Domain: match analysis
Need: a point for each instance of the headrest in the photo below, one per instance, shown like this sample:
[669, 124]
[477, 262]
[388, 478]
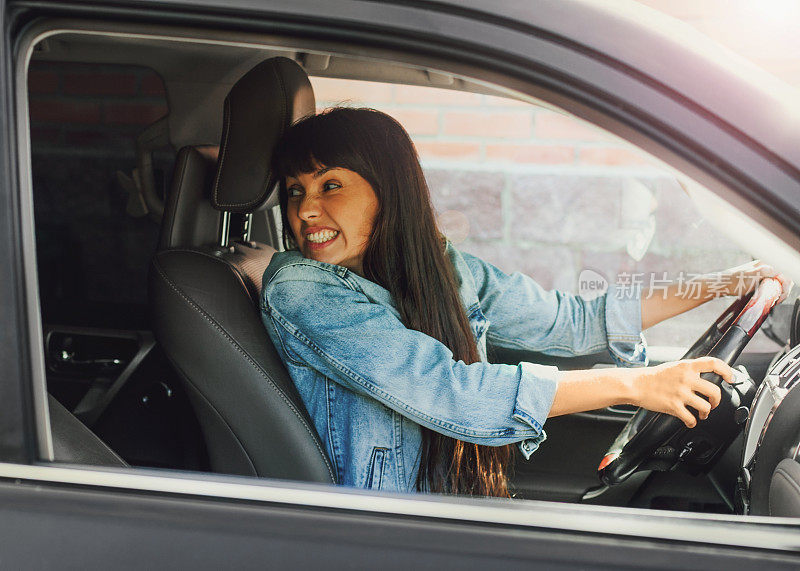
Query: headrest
[258, 108]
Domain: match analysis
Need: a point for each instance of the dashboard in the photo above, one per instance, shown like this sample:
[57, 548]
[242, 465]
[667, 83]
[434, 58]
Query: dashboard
[769, 479]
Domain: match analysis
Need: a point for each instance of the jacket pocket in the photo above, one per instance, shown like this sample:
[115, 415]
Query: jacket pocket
[377, 467]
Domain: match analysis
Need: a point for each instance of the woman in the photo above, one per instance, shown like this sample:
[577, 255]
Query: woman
[383, 325]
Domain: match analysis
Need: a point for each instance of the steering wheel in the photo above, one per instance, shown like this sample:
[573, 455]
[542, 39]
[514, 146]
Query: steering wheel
[647, 431]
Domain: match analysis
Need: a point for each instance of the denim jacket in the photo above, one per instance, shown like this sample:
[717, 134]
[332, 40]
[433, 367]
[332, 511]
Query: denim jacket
[369, 383]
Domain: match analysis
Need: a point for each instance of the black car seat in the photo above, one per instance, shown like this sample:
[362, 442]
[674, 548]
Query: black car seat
[204, 290]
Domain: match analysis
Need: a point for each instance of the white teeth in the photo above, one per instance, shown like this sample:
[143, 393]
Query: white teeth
[321, 236]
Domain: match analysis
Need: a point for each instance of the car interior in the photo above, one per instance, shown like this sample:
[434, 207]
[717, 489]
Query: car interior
[153, 231]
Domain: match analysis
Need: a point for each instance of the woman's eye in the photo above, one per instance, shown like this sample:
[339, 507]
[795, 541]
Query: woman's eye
[330, 185]
[294, 191]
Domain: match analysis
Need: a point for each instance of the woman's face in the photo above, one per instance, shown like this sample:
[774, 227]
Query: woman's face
[331, 212]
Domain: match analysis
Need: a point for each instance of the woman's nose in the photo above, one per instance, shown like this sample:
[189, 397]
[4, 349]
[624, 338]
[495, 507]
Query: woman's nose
[309, 208]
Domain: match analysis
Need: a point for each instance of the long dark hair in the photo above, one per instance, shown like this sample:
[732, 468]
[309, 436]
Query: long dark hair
[406, 255]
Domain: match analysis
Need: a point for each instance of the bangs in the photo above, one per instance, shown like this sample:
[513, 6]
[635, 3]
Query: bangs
[317, 141]
[295, 156]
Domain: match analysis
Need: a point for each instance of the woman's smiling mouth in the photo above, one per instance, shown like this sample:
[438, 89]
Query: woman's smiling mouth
[321, 238]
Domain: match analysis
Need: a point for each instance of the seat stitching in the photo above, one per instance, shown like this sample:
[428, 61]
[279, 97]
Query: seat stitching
[266, 189]
[227, 132]
[247, 357]
[250, 360]
[219, 171]
[237, 271]
[286, 118]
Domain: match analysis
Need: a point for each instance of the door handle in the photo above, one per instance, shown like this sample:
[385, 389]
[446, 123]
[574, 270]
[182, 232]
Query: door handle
[67, 358]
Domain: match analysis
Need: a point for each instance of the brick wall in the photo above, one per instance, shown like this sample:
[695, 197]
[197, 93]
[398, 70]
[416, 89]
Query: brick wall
[466, 127]
[534, 191]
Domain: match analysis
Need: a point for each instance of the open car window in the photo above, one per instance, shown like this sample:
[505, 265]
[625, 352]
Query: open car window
[526, 187]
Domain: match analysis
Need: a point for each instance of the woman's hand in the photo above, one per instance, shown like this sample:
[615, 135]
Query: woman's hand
[744, 278]
[737, 281]
[675, 386]
[670, 387]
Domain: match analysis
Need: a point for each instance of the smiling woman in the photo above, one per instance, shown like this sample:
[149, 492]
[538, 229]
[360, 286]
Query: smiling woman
[393, 244]
[391, 345]
[331, 212]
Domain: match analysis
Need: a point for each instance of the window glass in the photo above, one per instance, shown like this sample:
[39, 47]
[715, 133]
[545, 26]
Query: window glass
[94, 231]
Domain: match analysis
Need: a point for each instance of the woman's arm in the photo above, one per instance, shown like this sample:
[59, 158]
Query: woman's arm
[321, 319]
[523, 316]
[671, 301]
[677, 298]
[669, 387]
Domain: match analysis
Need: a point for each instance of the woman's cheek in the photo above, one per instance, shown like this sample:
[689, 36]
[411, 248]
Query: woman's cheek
[294, 226]
[363, 238]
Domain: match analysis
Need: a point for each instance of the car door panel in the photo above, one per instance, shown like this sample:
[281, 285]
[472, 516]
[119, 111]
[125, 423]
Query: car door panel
[143, 530]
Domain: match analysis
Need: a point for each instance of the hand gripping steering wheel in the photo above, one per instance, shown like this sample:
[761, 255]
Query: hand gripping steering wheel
[648, 431]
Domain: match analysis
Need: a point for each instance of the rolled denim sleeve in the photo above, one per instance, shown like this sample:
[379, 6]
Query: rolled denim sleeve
[623, 325]
[524, 316]
[321, 320]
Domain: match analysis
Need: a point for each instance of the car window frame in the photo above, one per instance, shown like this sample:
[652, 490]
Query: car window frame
[20, 406]
[736, 530]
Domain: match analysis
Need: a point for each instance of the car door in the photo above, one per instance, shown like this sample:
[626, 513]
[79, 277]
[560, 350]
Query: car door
[78, 516]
